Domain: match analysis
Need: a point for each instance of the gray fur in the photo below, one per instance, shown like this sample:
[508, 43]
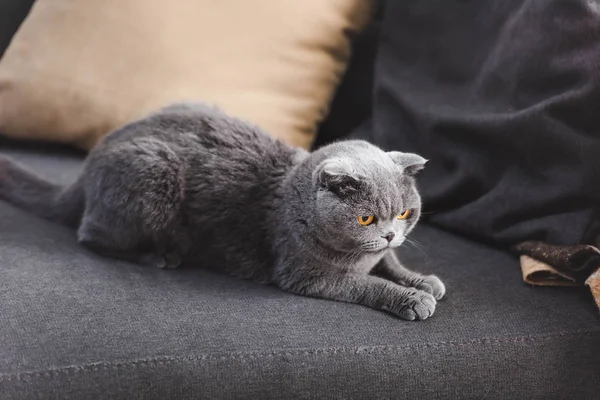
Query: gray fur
[192, 185]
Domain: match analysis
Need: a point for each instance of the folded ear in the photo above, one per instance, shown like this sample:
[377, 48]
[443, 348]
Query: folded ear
[409, 162]
[337, 175]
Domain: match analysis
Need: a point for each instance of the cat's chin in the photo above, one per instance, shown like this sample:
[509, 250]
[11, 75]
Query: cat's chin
[395, 244]
[390, 246]
[379, 249]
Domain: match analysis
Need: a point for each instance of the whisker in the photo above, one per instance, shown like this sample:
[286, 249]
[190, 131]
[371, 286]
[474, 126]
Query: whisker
[430, 212]
[350, 254]
[357, 254]
[360, 249]
[418, 246]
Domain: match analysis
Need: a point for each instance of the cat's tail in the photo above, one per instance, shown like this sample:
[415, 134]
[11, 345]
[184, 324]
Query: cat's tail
[28, 191]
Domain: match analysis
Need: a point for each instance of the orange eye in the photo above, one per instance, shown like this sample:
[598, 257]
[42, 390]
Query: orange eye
[365, 220]
[404, 215]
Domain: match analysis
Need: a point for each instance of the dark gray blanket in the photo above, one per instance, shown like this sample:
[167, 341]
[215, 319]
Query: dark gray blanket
[503, 96]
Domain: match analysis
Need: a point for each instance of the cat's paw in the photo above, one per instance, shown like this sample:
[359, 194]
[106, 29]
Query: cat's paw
[416, 305]
[166, 261]
[432, 285]
[173, 260]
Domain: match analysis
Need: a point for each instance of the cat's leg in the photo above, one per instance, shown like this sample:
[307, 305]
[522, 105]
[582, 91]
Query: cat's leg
[125, 244]
[367, 290]
[391, 268]
[133, 199]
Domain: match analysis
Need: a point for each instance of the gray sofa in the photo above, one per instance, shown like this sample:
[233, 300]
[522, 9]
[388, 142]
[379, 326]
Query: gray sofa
[74, 325]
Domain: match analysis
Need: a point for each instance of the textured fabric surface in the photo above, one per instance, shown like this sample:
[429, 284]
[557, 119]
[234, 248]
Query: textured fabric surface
[74, 325]
[89, 67]
[501, 96]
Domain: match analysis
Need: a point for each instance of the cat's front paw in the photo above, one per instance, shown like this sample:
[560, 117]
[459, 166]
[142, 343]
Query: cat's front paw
[416, 305]
[432, 285]
[166, 261]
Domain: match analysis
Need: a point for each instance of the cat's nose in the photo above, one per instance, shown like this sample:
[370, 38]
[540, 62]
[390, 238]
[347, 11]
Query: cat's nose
[389, 237]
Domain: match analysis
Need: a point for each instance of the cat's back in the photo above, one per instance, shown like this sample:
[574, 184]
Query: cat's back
[218, 155]
[190, 126]
[231, 164]
[204, 140]
[232, 190]
[218, 143]
[208, 127]
[230, 173]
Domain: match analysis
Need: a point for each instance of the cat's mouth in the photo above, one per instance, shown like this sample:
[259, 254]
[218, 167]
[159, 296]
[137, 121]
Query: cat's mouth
[380, 249]
[375, 246]
[390, 245]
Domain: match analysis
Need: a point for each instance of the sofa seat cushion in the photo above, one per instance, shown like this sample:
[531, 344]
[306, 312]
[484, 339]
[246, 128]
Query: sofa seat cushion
[75, 325]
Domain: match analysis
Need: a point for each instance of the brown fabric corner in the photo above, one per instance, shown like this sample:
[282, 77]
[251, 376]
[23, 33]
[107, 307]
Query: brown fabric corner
[541, 274]
[594, 283]
[576, 261]
[549, 265]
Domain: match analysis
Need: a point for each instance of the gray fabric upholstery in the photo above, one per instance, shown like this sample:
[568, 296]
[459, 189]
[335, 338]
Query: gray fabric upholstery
[74, 325]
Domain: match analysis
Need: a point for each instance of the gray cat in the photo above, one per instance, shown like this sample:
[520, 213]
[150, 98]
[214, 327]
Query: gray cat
[191, 185]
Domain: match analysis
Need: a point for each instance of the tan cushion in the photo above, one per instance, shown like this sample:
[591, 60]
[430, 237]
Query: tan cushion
[77, 69]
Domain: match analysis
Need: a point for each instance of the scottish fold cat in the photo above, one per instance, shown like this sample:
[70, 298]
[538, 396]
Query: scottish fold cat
[192, 185]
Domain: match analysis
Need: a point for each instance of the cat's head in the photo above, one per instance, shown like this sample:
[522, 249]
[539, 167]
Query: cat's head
[365, 198]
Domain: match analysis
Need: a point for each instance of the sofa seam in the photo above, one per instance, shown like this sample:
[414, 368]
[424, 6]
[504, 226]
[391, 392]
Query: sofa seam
[251, 355]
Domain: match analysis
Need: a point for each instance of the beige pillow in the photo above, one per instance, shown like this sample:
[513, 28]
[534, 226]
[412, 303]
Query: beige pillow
[77, 69]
